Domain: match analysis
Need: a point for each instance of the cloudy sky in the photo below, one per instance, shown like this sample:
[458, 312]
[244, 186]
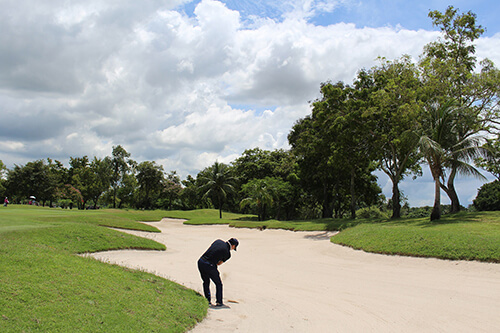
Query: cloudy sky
[186, 83]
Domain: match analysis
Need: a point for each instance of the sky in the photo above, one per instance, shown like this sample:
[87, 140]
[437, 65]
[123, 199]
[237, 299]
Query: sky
[187, 83]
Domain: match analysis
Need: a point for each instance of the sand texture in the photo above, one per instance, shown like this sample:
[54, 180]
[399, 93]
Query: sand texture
[286, 281]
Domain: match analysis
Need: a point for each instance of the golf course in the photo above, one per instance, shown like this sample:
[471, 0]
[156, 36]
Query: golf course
[50, 283]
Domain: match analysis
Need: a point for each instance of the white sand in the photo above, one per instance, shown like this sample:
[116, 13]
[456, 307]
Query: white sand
[288, 281]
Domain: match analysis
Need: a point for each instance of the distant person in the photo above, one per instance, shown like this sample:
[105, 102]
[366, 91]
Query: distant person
[217, 253]
[5, 202]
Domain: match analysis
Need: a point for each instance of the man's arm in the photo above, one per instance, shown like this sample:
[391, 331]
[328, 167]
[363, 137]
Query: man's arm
[220, 262]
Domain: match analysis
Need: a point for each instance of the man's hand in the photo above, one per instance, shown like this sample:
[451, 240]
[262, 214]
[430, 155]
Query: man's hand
[220, 262]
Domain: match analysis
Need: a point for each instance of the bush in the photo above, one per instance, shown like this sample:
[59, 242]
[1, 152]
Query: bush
[371, 213]
[488, 197]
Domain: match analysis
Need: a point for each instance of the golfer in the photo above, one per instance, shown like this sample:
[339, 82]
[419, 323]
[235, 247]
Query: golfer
[217, 253]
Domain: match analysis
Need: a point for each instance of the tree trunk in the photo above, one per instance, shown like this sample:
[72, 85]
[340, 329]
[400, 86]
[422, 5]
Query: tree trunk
[436, 210]
[353, 195]
[327, 211]
[396, 201]
[452, 193]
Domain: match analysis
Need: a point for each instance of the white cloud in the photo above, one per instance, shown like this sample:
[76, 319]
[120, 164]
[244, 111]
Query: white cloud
[77, 78]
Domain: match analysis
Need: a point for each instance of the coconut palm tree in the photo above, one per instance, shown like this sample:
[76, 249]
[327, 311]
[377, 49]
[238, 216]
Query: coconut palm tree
[444, 146]
[437, 131]
[217, 181]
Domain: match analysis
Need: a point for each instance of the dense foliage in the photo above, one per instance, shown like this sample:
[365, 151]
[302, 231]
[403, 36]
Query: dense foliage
[488, 197]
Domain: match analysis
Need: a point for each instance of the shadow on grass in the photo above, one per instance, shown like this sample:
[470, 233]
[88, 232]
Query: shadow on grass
[461, 217]
[323, 235]
[247, 218]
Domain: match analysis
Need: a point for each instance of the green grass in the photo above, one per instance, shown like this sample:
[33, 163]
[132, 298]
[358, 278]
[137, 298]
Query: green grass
[463, 236]
[211, 216]
[46, 287]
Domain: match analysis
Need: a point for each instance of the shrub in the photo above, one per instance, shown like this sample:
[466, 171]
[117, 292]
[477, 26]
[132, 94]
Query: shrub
[488, 197]
[371, 213]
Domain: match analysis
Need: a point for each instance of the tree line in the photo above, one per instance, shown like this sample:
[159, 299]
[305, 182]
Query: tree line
[440, 111]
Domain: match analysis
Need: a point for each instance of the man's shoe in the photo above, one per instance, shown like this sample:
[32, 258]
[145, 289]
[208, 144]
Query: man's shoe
[219, 305]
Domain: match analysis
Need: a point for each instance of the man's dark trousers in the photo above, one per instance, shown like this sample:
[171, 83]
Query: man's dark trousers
[209, 271]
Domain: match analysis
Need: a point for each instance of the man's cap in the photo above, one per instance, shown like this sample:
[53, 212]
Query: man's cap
[234, 241]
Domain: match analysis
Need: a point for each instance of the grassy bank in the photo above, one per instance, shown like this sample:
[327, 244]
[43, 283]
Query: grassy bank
[46, 287]
[463, 236]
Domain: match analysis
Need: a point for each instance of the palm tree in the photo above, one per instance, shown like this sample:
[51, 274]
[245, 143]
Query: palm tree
[437, 133]
[260, 195]
[445, 147]
[217, 181]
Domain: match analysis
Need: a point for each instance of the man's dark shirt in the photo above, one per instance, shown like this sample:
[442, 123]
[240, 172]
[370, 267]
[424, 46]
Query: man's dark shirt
[218, 251]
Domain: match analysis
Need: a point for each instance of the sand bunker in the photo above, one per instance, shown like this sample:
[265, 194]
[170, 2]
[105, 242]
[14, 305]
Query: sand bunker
[287, 281]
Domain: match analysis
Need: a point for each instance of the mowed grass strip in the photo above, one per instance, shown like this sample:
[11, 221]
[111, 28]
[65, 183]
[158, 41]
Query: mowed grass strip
[46, 287]
[463, 236]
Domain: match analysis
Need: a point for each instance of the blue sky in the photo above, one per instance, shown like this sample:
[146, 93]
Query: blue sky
[367, 13]
[186, 83]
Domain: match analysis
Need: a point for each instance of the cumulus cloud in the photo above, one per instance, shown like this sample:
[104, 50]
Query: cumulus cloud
[183, 89]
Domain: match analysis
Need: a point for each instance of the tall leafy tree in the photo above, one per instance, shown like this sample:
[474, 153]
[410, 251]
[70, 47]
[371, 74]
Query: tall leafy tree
[120, 167]
[448, 72]
[394, 113]
[32, 179]
[102, 170]
[58, 175]
[217, 182]
[190, 193]
[150, 178]
[82, 178]
[333, 147]
[171, 190]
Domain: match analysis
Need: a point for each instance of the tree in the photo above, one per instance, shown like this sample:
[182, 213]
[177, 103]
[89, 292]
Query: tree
[120, 167]
[278, 164]
[394, 112]
[171, 190]
[439, 146]
[68, 196]
[448, 72]
[32, 179]
[217, 182]
[259, 194]
[3, 170]
[190, 193]
[334, 147]
[488, 197]
[126, 192]
[102, 170]
[150, 178]
[491, 161]
[82, 178]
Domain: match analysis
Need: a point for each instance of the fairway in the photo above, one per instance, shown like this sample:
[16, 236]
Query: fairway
[46, 287]
[288, 281]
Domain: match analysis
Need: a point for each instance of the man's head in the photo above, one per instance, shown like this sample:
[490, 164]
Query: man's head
[234, 243]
